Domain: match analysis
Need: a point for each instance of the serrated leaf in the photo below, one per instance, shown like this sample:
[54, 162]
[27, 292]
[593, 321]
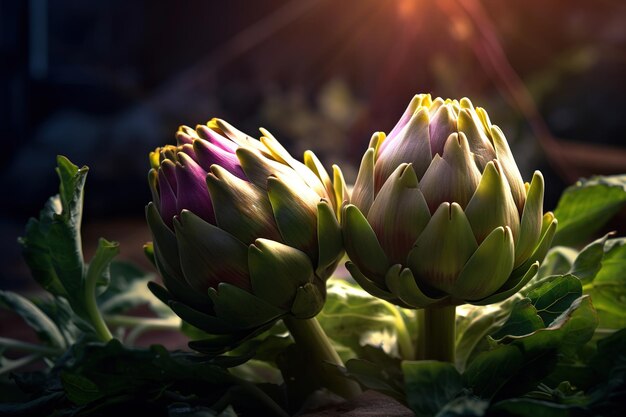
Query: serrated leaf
[518, 363]
[588, 205]
[71, 190]
[601, 266]
[52, 244]
[107, 378]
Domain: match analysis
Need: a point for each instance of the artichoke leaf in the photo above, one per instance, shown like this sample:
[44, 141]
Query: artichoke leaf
[370, 286]
[277, 271]
[309, 301]
[492, 204]
[241, 208]
[399, 213]
[295, 210]
[509, 288]
[241, 308]
[488, 268]
[329, 238]
[531, 222]
[363, 190]
[411, 144]
[443, 248]
[209, 255]
[401, 283]
[362, 245]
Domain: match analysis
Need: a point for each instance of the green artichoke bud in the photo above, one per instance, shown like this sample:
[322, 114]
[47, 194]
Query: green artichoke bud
[243, 234]
[440, 214]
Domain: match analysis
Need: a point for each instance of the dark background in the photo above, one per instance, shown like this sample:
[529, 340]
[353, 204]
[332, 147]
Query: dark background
[106, 82]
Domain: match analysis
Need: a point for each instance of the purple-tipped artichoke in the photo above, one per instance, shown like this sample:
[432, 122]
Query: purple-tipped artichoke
[440, 214]
[243, 233]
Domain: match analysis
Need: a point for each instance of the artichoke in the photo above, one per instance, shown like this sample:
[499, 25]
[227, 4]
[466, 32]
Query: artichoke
[243, 234]
[439, 214]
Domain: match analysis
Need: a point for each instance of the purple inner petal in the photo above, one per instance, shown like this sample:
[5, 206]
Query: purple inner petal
[216, 139]
[167, 199]
[209, 154]
[193, 193]
[168, 168]
[185, 135]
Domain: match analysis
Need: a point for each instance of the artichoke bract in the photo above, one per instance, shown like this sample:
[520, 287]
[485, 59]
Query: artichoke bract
[243, 233]
[439, 213]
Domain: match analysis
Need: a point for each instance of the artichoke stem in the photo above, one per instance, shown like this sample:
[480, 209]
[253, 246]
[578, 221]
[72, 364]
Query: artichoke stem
[439, 333]
[309, 336]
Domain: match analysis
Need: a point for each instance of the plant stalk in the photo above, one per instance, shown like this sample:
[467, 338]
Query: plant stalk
[147, 322]
[18, 345]
[439, 333]
[93, 313]
[309, 336]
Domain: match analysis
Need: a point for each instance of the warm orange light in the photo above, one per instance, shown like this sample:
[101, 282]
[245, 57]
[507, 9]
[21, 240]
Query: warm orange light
[406, 9]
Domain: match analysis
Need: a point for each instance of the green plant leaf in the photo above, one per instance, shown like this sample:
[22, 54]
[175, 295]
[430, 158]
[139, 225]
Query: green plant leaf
[352, 317]
[528, 407]
[473, 325]
[46, 329]
[430, 385]
[553, 298]
[523, 319]
[558, 261]
[378, 376]
[534, 308]
[608, 288]
[98, 269]
[587, 206]
[101, 376]
[52, 244]
[128, 288]
[589, 261]
[464, 406]
[491, 370]
[52, 248]
[601, 267]
[80, 390]
[518, 363]
[69, 324]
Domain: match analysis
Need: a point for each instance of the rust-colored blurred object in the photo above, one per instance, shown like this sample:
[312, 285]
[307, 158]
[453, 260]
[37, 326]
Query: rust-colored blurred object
[584, 159]
[571, 160]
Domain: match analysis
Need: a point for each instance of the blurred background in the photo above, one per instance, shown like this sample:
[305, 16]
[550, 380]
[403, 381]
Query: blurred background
[106, 82]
